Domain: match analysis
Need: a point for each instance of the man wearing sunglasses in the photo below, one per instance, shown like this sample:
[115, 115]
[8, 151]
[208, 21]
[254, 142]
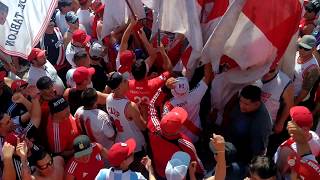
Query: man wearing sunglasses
[306, 71]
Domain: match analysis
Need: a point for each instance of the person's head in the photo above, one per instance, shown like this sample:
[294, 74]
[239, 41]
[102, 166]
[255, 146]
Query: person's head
[118, 83]
[181, 87]
[6, 125]
[72, 20]
[46, 88]
[306, 45]
[80, 38]
[96, 52]
[172, 122]
[269, 75]
[262, 168]
[85, 3]
[89, 98]
[230, 152]
[51, 25]
[302, 117]
[37, 57]
[82, 148]
[64, 6]
[99, 11]
[121, 154]
[95, 4]
[44, 162]
[81, 58]
[59, 108]
[127, 58]
[82, 76]
[3, 13]
[177, 166]
[139, 69]
[311, 9]
[19, 86]
[3, 74]
[250, 99]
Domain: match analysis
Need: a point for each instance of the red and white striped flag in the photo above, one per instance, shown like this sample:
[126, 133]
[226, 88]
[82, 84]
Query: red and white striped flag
[250, 37]
[22, 24]
[117, 13]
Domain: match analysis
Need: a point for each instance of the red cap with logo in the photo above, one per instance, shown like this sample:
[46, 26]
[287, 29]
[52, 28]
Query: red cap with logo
[172, 122]
[82, 73]
[302, 116]
[18, 84]
[120, 152]
[36, 53]
[80, 36]
[306, 169]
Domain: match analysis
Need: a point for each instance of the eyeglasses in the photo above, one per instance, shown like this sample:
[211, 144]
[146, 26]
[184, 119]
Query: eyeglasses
[43, 167]
[305, 49]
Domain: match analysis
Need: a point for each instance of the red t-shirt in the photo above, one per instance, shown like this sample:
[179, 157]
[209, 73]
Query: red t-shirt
[61, 134]
[143, 91]
[87, 170]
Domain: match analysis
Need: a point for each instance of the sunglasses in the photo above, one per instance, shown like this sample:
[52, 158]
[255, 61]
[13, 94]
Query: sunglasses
[43, 167]
[305, 49]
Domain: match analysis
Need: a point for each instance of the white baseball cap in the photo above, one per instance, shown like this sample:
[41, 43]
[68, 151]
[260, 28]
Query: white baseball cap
[181, 87]
[177, 167]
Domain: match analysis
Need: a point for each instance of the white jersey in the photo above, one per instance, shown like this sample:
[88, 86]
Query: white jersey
[272, 92]
[191, 103]
[97, 125]
[35, 73]
[300, 71]
[86, 19]
[125, 128]
[111, 174]
[61, 22]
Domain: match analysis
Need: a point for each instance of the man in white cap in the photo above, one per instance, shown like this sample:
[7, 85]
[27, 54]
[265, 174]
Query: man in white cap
[190, 101]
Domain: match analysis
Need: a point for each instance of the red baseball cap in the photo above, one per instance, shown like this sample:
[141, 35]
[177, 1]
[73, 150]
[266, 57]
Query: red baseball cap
[306, 169]
[172, 122]
[100, 10]
[302, 116]
[81, 37]
[18, 84]
[36, 53]
[126, 58]
[120, 152]
[82, 73]
[3, 74]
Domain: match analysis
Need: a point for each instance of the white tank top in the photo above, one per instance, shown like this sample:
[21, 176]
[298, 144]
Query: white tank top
[272, 91]
[300, 71]
[125, 128]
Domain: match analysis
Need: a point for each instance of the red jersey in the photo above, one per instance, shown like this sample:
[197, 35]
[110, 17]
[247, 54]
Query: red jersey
[61, 134]
[143, 91]
[88, 170]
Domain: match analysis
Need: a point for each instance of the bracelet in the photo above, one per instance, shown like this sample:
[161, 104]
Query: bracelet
[306, 154]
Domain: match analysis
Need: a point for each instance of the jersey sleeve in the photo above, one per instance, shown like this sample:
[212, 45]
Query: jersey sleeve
[159, 81]
[198, 92]
[153, 122]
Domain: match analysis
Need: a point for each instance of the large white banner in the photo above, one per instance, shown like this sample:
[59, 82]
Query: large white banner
[22, 23]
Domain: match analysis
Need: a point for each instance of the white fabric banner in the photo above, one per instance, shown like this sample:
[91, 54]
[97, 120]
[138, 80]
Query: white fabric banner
[22, 24]
[117, 13]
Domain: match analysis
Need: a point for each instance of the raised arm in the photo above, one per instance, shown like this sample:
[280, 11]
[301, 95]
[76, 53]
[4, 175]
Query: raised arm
[151, 51]
[167, 66]
[126, 35]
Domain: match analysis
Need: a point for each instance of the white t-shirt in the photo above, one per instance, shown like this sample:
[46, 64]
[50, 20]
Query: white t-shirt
[36, 73]
[97, 124]
[71, 51]
[111, 174]
[61, 22]
[86, 19]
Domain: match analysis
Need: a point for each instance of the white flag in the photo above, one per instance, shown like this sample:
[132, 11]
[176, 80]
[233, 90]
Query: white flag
[22, 24]
[117, 13]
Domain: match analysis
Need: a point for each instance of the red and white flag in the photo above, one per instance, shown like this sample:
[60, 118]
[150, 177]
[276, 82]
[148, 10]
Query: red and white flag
[22, 24]
[118, 12]
[250, 37]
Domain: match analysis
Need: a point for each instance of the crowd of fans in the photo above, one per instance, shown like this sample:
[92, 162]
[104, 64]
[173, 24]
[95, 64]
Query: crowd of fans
[83, 106]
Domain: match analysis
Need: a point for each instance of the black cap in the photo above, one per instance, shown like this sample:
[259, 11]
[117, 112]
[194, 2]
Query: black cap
[313, 6]
[114, 80]
[58, 104]
[230, 152]
[44, 83]
[71, 17]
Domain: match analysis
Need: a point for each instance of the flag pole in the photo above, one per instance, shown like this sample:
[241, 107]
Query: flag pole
[158, 23]
[131, 10]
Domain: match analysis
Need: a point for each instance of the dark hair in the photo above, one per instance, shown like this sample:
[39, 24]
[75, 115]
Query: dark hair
[1, 116]
[38, 153]
[44, 83]
[79, 56]
[89, 97]
[263, 166]
[251, 92]
[139, 69]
